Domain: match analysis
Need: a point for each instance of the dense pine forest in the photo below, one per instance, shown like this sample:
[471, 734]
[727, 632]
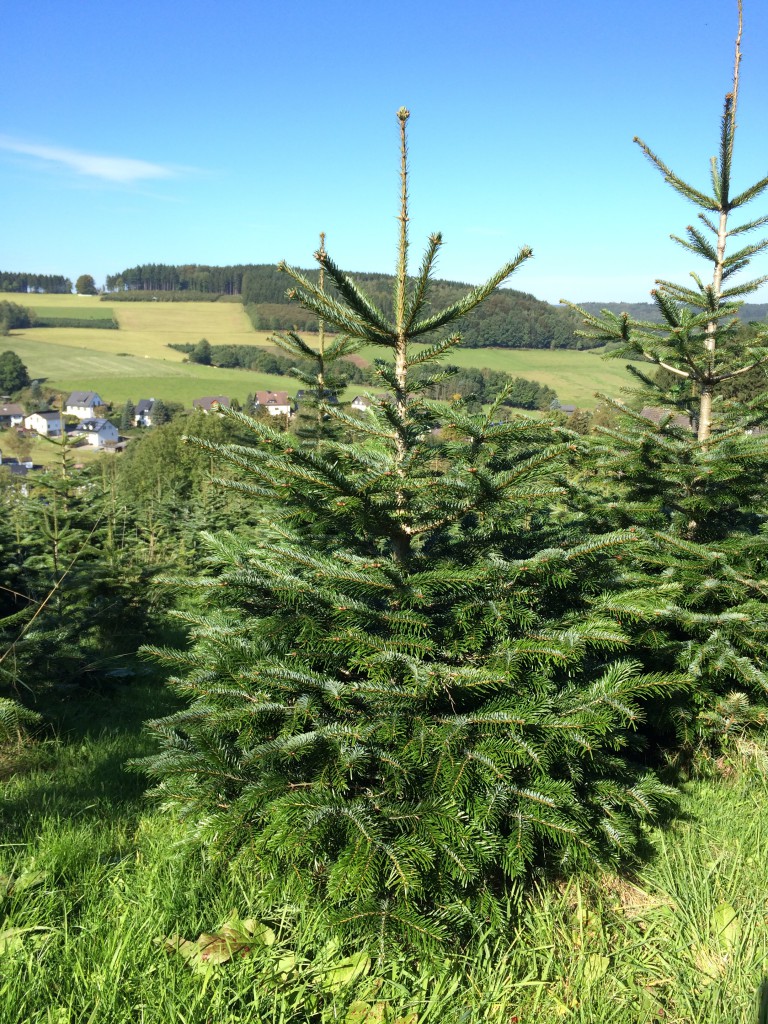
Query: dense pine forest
[12, 281]
[429, 683]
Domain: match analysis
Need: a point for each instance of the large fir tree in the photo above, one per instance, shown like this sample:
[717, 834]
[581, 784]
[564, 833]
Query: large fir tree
[401, 700]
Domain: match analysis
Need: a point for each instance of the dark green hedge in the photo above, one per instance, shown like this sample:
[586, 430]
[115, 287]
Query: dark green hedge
[103, 323]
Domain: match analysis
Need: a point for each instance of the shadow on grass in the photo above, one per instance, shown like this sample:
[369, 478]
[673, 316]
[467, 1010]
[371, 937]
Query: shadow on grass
[762, 1012]
[79, 771]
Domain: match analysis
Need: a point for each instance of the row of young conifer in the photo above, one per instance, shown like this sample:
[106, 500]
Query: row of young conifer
[450, 659]
[430, 654]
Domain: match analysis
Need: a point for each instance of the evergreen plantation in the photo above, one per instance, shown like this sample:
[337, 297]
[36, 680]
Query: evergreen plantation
[422, 661]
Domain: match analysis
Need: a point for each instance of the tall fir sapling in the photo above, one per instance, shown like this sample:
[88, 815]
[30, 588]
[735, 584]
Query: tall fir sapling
[401, 701]
[322, 376]
[695, 481]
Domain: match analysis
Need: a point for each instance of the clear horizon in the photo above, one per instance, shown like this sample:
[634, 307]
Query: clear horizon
[174, 136]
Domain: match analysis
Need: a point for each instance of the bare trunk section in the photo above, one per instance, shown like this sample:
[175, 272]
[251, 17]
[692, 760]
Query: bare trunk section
[321, 339]
[402, 544]
[710, 344]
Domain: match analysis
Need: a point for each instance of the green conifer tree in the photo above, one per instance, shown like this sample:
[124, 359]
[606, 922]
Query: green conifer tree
[322, 378]
[400, 699]
[78, 593]
[695, 481]
[128, 415]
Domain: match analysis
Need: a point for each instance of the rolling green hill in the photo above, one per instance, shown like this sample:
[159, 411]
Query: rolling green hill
[135, 361]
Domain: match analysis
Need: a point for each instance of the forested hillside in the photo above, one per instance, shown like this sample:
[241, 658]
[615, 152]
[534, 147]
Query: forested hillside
[510, 319]
[747, 313]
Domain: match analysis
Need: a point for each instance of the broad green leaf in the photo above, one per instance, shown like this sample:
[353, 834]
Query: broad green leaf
[11, 939]
[17, 883]
[364, 1013]
[595, 967]
[286, 964]
[29, 880]
[221, 947]
[345, 972]
[177, 944]
[727, 926]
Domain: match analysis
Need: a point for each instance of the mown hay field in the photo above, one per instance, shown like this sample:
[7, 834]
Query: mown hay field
[136, 362]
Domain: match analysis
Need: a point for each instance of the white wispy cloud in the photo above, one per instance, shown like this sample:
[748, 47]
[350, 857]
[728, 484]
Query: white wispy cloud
[120, 169]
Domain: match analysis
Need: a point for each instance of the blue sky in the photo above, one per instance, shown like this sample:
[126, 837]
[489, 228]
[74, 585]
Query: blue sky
[235, 132]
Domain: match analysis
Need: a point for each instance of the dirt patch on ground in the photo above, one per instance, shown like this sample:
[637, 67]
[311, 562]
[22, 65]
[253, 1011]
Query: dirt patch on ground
[358, 361]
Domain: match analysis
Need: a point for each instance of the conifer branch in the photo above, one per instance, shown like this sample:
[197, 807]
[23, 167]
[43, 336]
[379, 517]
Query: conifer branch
[418, 297]
[686, 190]
[473, 298]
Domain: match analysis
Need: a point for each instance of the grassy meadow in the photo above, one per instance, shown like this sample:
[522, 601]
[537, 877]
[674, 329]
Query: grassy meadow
[105, 912]
[135, 361]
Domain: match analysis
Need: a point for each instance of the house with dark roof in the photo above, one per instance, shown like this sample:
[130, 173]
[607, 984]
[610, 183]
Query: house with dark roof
[211, 403]
[98, 432]
[142, 416]
[657, 415]
[46, 423]
[82, 404]
[361, 403]
[11, 414]
[329, 397]
[18, 471]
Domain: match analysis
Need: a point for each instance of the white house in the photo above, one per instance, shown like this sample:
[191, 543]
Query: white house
[82, 404]
[143, 415]
[98, 432]
[46, 423]
[11, 414]
[277, 403]
[361, 402]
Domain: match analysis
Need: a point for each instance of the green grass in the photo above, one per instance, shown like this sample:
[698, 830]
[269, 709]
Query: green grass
[82, 313]
[575, 376]
[67, 363]
[71, 358]
[95, 878]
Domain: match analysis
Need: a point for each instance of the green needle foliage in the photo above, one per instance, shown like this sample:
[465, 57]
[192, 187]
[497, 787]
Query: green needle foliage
[322, 379]
[695, 481]
[699, 341]
[401, 700]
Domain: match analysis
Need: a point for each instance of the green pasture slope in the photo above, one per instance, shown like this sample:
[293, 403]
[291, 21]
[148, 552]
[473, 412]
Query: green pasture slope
[68, 364]
[135, 361]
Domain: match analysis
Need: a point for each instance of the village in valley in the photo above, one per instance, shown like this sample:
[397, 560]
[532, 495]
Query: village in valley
[88, 422]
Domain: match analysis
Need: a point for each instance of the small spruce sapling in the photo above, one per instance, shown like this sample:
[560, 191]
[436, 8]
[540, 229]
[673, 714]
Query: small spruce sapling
[322, 379]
